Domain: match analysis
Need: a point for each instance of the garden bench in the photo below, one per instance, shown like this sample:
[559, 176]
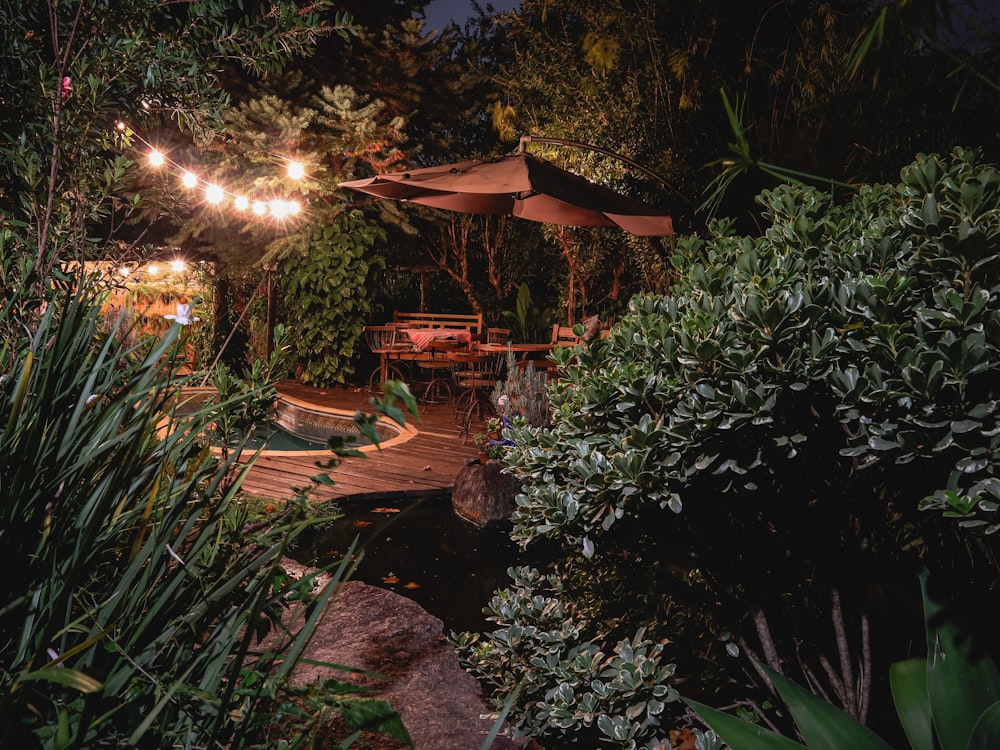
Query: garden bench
[473, 323]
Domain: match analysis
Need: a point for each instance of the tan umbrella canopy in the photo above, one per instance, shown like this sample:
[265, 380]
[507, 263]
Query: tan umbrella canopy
[518, 185]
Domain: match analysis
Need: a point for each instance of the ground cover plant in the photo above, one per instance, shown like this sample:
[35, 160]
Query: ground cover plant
[758, 464]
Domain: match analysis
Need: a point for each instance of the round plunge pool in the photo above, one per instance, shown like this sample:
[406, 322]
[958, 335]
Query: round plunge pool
[303, 428]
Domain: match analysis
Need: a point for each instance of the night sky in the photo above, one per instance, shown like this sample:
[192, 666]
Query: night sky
[440, 12]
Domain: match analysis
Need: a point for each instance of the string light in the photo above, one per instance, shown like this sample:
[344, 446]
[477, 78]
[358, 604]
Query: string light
[296, 170]
[276, 208]
[214, 194]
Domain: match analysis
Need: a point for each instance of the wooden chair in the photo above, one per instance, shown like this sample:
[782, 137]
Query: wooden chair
[436, 365]
[389, 346]
[475, 375]
[497, 335]
[561, 336]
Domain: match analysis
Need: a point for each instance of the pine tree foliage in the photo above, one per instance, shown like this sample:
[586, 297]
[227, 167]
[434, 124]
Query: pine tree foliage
[71, 72]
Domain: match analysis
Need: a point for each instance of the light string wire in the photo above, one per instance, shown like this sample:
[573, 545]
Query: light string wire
[214, 194]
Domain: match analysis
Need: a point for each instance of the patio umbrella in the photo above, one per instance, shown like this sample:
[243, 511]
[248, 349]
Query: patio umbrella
[518, 185]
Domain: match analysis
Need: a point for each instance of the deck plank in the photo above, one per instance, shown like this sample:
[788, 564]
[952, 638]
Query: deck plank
[426, 464]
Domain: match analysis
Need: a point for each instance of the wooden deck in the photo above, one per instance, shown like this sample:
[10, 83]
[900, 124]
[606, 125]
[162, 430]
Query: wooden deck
[425, 464]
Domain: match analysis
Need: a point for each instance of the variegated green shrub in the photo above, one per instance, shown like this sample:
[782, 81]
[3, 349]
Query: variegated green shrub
[810, 411]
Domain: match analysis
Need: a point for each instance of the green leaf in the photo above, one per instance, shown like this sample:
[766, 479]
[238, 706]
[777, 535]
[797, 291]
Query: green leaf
[739, 734]
[961, 683]
[823, 725]
[908, 681]
[986, 732]
[64, 676]
[374, 714]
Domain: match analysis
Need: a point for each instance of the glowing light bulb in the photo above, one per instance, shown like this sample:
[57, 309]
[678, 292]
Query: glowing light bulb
[156, 158]
[259, 208]
[177, 266]
[296, 170]
[241, 202]
[214, 194]
[153, 270]
[280, 209]
[189, 180]
[294, 208]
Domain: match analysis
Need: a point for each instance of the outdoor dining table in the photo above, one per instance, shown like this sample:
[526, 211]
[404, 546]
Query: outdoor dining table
[433, 345]
[516, 348]
[422, 337]
[524, 353]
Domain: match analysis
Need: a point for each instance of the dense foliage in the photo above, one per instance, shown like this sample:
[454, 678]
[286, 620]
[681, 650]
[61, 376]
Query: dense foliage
[759, 462]
[325, 294]
[843, 74]
[144, 585]
[71, 72]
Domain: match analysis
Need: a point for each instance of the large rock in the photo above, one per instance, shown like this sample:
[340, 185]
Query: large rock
[483, 494]
[415, 669]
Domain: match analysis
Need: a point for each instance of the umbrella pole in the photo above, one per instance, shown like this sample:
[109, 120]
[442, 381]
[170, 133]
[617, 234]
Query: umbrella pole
[567, 249]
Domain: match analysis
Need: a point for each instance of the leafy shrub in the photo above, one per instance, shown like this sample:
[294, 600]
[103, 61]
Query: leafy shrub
[809, 414]
[326, 302]
[596, 696]
[527, 322]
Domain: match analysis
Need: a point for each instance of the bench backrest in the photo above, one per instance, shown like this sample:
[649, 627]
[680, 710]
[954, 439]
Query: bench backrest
[472, 323]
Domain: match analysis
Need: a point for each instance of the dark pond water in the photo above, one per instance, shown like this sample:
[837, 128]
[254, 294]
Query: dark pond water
[424, 551]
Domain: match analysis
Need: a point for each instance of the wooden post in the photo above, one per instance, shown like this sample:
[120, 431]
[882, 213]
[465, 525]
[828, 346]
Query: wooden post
[272, 310]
